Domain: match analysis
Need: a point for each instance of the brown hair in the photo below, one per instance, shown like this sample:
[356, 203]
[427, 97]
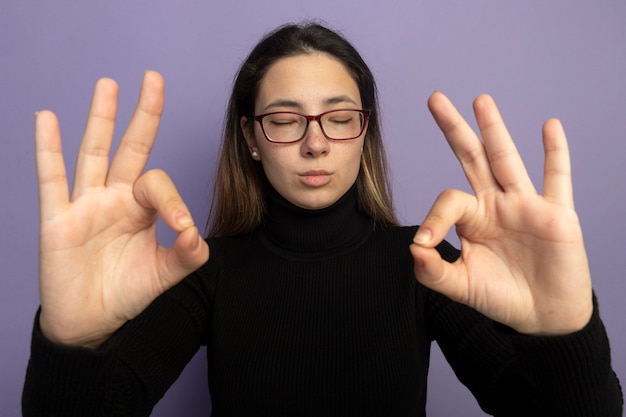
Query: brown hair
[238, 204]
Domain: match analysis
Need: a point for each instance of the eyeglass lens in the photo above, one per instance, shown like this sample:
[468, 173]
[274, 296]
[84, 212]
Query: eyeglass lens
[290, 127]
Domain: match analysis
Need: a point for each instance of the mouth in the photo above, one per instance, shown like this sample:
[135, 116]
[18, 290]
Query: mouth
[315, 177]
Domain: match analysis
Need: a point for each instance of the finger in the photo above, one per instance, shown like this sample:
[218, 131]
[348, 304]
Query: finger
[189, 253]
[467, 147]
[155, 190]
[557, 180]
[451, 207]
[504, 159]
[51, 173]
[134, 150]
[439, 275]
[93, 155]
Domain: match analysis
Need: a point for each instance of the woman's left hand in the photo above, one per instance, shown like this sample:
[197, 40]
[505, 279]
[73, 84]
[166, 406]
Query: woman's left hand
[523, 260]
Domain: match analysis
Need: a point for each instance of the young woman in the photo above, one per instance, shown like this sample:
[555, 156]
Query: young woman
[310, 298]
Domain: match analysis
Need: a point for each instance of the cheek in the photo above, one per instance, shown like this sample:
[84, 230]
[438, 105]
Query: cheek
[353, 155]
[356, 166]
[277, 163]
[259, 137]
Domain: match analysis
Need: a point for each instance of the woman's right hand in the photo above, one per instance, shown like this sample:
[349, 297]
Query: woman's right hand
[100, 264]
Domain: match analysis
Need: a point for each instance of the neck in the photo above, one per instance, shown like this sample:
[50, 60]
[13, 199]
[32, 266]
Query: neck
[315, 232]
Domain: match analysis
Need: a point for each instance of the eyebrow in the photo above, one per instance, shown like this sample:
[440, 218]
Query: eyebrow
[297, 105]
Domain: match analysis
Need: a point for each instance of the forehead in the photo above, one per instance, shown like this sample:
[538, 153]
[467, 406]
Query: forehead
[307, 80]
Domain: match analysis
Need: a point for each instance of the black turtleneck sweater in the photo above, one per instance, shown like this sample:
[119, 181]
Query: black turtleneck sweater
[318, 313]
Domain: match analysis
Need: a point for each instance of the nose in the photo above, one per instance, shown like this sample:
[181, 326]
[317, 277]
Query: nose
[314, 142]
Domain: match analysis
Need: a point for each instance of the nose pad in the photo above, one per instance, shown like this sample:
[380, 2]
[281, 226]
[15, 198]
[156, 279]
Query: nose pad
[315, 127]
[315, 142]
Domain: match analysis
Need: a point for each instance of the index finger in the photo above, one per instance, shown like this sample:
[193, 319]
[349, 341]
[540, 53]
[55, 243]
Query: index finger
[463, 141]
[132, 155]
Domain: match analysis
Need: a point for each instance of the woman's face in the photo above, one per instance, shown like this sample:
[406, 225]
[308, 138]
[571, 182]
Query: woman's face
[314, 172]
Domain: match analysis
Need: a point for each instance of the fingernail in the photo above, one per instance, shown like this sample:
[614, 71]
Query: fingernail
[422, 236]
[183, 219]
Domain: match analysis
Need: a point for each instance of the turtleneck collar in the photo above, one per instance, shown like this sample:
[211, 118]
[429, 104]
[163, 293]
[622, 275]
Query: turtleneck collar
[314, 233]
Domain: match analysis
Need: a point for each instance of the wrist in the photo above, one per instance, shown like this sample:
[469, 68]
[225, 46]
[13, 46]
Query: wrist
[68, 335]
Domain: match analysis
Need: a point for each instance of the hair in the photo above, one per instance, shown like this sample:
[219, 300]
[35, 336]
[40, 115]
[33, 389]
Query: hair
[238, 204]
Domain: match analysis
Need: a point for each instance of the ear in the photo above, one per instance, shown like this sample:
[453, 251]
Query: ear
[248, 132]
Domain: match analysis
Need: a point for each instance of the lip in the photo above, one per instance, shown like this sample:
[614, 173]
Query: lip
[315, 177]
[314, 172]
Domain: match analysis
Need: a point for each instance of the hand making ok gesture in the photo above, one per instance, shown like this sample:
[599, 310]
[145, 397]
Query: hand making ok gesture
[100, 262]
[523, 261]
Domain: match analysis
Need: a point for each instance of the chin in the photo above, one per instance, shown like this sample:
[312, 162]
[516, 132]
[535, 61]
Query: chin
[316, 202]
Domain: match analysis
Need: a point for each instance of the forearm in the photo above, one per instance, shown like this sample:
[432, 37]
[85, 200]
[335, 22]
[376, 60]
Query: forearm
[517, 375]
[571, 375]
[72, 381]
[125, 376]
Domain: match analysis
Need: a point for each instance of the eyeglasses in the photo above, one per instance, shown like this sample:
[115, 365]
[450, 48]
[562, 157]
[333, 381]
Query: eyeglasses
[289, 127]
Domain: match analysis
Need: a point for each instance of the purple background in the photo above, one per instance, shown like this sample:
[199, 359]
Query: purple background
[563, 59]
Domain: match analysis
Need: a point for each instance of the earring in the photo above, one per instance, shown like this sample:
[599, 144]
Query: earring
[255, 154]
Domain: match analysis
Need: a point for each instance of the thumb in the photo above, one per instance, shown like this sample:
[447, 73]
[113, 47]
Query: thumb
[432, 271]
[451, 207]
[189, 253]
